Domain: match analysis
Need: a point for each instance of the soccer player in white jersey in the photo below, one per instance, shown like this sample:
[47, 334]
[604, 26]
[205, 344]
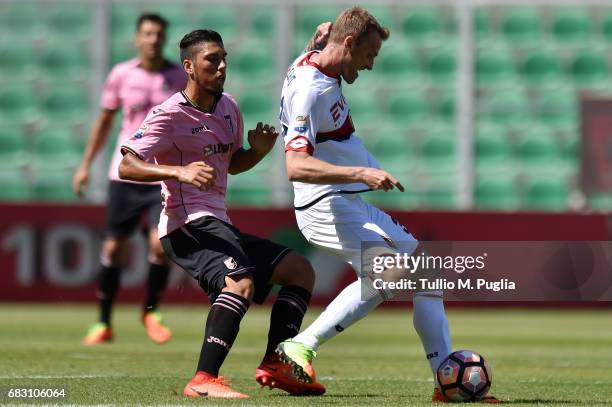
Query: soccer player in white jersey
[133, 86]
[329, 167]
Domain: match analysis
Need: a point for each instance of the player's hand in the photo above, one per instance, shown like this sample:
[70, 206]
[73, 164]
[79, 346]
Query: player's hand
[380, 179]
[322, 35]
[262, 138]
[198, 174]
[79, 180]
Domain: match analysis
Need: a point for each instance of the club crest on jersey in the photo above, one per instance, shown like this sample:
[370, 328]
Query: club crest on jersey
[230, 263]
[302, 121]
[138, 134]
[228, 119]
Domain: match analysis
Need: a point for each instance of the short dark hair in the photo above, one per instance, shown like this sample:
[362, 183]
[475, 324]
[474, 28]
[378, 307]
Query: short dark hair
[194, 38]
[156, 18]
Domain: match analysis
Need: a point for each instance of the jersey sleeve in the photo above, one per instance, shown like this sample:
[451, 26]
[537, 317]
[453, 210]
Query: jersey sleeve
[110, 98]
[152, 138]
[303, 123]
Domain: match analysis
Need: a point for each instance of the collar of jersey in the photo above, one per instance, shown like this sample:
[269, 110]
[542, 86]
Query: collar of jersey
[306, 61]
[189, 103]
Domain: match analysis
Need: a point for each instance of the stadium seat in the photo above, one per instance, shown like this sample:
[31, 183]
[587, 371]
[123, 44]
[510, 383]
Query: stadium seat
[571, 25]
[437, 149]
[589, 68]
[383, 15]
[17, 60]
[53, 186]
[308, 17]
[21, 21]
[510, 107]
[257, 106]
[57, 149]
[541, 66]
[546, 194]
[497, 193]
[482, 23]
[394, 199]
[442, 65]
[17, 103]
[398, 63]
[253, 63]
[600, 202]
[422, 25]
[445, 105]
[363, 110]
[409, 108]
[494, 64]
[65, 63]
[606, 26]
[492, 149]
[521, 26]
[558, 108]
[390, 144]
[538, 148]
[248, 189]
[13, 148]
[69, 104]
[440, 195]
[14, 187]
[71, 21]
[220, 18]
[262, 22]
[123, 19]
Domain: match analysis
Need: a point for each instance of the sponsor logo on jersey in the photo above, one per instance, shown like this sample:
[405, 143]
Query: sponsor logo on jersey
[139, 134]
[300, 129]
[337, 109]
[218, 148]
[199, 129]
[230, 263]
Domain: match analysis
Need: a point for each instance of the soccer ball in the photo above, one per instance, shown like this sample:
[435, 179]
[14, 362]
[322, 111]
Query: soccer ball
[464, 376]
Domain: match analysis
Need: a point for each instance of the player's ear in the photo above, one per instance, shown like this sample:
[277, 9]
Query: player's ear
[349, 40]
[188, 66]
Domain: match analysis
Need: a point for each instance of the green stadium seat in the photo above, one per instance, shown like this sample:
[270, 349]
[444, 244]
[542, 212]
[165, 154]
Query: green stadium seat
[123, 18]
[252, 63]
[442, 65]
[541, 66]
[440, 194]
[423, 24]
[13, 148]
[589, 68]
[360, 102]
[390, 144]
[521, 25]
[398, 63]
[509, 107]
[606, 26]
[66, 104]
[121, 53]
[17, 103]
[262, 22]
[17, 61]
[409, 108]
[558, 108]
[220, 18]
[54, 186]
[494, 64]
[394, 199]
[66, 63]
[248, 189]
[445, 105]
[57, 149]
[482, 23]
[437, 150]
[571, 25]
[546, 194]
[21, 21]
[14, 187]
[71, 20]
[538, 148]
[257, 106]
[600, 202]
[492, 149]
[497, 193]
[308, 18]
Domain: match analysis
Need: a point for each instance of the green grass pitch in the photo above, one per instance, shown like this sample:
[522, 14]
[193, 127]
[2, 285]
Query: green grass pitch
[550, 358]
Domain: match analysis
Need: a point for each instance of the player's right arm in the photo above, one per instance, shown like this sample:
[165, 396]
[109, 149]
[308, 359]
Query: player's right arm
[303, 167]
[97, 139]
[198, 174]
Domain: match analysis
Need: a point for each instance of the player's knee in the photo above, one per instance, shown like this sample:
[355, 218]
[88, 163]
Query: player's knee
[295, 269]
[240, 285]
[157, 255]
[113, 252]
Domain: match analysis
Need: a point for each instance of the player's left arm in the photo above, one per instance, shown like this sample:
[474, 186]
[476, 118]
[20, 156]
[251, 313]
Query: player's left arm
[320, 37]
[261, 140]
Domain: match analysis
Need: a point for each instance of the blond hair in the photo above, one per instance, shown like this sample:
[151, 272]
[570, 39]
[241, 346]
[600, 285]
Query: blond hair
[356, 22]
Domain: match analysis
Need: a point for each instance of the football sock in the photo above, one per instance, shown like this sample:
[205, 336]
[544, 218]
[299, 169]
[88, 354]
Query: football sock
[430, 322]
[222, 327]
[158, 279]
[352, 304]
[107, 291]
[287, 315]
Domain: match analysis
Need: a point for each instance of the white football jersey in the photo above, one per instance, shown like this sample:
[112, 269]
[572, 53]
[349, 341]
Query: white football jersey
[316, 119]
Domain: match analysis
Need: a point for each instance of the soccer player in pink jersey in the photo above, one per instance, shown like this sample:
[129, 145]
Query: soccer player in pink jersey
[190, 143]
[134, 87]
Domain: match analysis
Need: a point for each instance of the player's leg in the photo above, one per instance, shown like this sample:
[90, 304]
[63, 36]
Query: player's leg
[209, 251]
[121, 220]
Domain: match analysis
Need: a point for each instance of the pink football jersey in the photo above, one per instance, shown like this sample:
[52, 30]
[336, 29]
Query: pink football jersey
[135, 91]
[178, 133]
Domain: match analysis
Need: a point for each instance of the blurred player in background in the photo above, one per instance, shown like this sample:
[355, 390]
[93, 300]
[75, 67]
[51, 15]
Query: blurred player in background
[134, 87]
[329, 167]
[195, 139]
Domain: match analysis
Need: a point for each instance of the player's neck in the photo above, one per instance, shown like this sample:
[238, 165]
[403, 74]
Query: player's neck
[199, 98]
[153, 64]
[329, 60]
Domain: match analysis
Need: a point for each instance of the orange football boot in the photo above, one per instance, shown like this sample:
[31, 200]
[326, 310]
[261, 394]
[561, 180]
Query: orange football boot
[206, 385]
[98, 333]
[272, 372]
[157, 331]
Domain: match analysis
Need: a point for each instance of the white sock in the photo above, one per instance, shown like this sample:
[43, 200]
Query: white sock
[431, 324]
[347, 308]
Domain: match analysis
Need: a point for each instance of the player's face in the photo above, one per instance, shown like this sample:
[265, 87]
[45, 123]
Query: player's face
[209, 67]
[360, 55]
[150, 39]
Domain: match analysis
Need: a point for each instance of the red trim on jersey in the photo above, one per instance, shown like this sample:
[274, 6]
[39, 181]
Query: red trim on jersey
[341, 133]
[299, 143]
[307, 62]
